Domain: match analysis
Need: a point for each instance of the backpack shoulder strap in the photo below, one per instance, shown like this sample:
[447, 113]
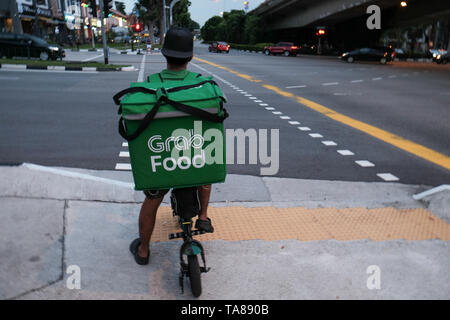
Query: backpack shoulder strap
[155, 77]
[192, 75]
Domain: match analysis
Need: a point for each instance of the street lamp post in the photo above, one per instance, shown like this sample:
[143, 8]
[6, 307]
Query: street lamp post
[172, 4]
[165, 18]
[102, 17]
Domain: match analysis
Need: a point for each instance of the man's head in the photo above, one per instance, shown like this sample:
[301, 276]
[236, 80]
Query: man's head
[178, 47]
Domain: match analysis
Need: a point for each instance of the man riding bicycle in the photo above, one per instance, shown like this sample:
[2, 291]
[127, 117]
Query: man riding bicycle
[178, 51]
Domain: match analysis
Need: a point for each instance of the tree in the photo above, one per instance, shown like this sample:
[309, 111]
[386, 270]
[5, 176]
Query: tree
[150, 12]
[120, 6]
[182, 17]
[210, 30]
[252, 29]
[234, 27]
[234, 20]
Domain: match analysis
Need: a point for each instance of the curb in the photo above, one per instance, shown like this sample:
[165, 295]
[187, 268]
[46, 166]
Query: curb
[63, 68]
[425, 60]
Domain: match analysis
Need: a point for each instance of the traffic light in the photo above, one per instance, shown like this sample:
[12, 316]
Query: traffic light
[137, 27]
[107, 6]
[320, 32]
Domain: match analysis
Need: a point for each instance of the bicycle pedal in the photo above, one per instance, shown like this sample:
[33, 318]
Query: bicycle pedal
[204, 269]
[197, 232]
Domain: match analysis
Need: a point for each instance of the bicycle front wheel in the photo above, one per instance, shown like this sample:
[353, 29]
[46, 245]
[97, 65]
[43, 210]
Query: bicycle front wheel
[194, 275]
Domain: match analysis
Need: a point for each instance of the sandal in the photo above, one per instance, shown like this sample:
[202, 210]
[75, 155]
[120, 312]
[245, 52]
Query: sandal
[134, 250]
[204, 225]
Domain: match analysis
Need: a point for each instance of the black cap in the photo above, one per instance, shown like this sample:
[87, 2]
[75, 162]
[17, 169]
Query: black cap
[178, 43]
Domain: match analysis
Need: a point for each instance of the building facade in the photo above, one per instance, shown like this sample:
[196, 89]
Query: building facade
[60, 21]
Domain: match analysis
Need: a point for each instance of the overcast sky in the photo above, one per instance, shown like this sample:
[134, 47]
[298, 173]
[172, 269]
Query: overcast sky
[202, 10]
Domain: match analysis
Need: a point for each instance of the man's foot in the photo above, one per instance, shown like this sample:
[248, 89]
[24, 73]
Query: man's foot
[134, 249]
[204, 225]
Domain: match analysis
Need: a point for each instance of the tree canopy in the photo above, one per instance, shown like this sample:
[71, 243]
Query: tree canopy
[151, 15]
[234, 27]
[182, 17]
[120, 6]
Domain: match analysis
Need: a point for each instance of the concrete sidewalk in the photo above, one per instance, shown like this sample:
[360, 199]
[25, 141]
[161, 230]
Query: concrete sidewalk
[55, 218]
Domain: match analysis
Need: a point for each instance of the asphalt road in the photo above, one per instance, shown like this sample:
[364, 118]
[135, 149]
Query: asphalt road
[68, 118]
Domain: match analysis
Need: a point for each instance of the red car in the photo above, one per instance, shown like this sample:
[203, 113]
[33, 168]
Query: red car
[286, 48]
[219, 46]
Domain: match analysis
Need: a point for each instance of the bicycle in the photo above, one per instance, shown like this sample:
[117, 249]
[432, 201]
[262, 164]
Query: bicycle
[186, 205]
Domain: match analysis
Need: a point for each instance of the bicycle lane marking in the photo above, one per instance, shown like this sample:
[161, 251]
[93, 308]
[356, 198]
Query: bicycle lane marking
[404, 144]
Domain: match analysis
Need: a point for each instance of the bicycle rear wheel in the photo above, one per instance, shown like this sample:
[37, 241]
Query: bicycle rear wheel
[194, 275]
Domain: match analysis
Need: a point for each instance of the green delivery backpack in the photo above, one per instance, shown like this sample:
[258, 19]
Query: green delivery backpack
[174, 130]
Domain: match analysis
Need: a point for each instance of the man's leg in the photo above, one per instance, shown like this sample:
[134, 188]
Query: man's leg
[204, 193]
[203, 222]
[147, 217]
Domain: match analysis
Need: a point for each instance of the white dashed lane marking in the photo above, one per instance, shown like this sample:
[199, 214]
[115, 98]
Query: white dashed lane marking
[364, 163]
[304, 129]
[123, 166]
[387, 177]
[329, 143]
[345, 152]
[315, 135]
[124, 154]
[294, 87]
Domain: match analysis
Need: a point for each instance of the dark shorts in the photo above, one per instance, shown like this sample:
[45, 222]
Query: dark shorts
[155, 194]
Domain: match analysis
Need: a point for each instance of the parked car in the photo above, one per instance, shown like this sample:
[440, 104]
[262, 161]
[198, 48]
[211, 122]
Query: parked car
[439, 55]
[285, 48]
[26, 45]
[120, 39]
[442, 57]
[219, 46]
[400, 53]
[381, 54]
[307, 48]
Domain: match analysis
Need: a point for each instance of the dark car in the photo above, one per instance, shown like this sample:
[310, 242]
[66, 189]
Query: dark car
[219, 46]
[381, 54]
[307, 48]
[286, 48]
[439, 56]
[26, 45]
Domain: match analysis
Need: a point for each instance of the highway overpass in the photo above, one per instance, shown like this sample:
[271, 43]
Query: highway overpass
[345, 21]
[287, 14]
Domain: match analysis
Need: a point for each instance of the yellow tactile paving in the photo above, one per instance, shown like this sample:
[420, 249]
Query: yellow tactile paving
[270, 223]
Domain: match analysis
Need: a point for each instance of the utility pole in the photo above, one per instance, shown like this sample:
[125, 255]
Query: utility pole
[17, 27]
[102, 17]
[172, 4]
[36, 30]
[165, 18]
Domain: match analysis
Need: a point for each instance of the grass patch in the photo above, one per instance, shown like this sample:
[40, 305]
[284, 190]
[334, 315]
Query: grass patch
[71, 64]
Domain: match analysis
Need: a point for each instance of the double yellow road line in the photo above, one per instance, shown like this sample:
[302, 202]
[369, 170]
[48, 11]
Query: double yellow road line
[416, 149]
